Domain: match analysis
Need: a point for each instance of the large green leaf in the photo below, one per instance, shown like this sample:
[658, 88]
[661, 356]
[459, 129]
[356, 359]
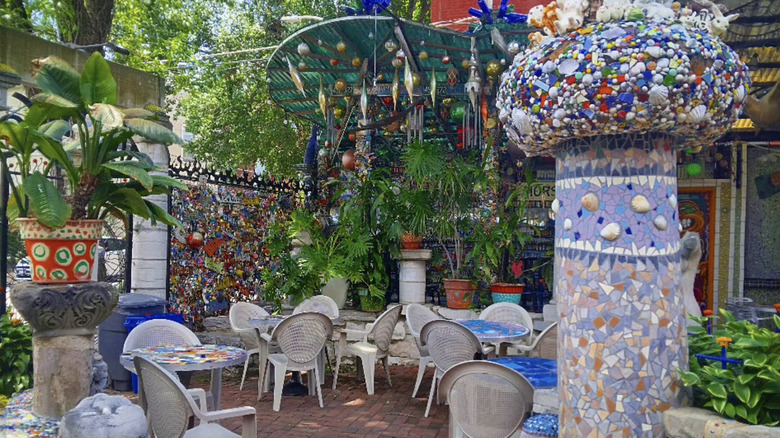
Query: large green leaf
[54, 151]
[158, 214]
[55, 129]
[14, 135]
[129, 199]
[143, 160]
[134, 170]
[152, 131]
[716, 390]
[109, 115]
[167, 181]
[96, 83]
[138, 113]
[742, 392]
[58, 77]
[46, 201]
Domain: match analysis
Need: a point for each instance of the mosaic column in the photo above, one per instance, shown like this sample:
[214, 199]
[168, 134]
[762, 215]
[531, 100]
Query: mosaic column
[617, 278]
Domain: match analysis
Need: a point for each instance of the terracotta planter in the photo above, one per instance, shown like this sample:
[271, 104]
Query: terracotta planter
[64, 255]
[460, 293]
[411, 241]
[507, 293]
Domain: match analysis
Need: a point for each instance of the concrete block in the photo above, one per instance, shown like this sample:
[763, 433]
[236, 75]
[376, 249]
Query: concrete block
[104, 416]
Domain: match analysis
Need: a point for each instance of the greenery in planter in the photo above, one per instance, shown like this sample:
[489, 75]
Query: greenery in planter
[15, 356]
[102, 176]
[748, 392]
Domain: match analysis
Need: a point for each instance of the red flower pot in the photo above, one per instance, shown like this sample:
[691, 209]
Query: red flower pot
[411, 241]
[63, 255]
[460, 293]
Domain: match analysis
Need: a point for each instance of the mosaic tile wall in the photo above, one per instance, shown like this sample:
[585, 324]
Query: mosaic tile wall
[617, 270]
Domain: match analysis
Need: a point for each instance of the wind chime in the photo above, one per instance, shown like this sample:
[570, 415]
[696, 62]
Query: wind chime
[472, 122]
[416, 117]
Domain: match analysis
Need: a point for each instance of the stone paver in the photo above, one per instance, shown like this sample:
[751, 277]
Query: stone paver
[349, 411]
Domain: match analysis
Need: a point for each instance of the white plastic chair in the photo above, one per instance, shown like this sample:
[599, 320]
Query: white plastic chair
[545, 345]
[171, 407]
[508, 312]
[449, 344]
[324, 305]
[239, 316]
[487, 400]
[382, 332]
[301, 338]
[417, 316]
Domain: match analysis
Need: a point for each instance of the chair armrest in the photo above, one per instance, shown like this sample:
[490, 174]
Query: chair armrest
[210, 417]
[266, 337]
[199, 394]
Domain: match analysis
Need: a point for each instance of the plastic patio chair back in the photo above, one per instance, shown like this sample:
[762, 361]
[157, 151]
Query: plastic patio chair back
[241, 312]
[158, 332]
[487, 400]
[449, 343]
[417, 316]
[169, 406]
[546, 344]
[507, 312]
[382, 331]
[302, 336]
[319, 304]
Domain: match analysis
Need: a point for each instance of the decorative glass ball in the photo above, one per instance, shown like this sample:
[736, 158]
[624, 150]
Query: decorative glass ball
[340, 85]
[341, 46]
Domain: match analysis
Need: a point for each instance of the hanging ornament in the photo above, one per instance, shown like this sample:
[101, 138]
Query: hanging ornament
[513, 48]
[195, 240]
[341, 46]
[339, 111]
[302, 66]
[458, 112]
[323, 100]
[340, 85]
[334, 62]
[380, 77]
[423, 55]
[434, 84]
[395, 90]
[296, 78]
[474, 84]
[452, 76]
[446, 58]
[391, 46]
[397, 62]
[408, 80]
[364, 103]
[356, 62]
[303, 49]
[464, 64]
[693, 169]
[352, 136]
[348, 160]
[416, 79]
[493, 68]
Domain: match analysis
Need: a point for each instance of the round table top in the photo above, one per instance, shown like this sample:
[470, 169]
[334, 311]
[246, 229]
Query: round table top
[541, 373]
[187, 357]
[494, 331]
[266, 321]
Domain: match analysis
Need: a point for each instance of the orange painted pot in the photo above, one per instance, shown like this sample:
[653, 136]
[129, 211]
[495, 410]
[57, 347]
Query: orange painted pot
[460, 293]
[63, 255]
[411, 241]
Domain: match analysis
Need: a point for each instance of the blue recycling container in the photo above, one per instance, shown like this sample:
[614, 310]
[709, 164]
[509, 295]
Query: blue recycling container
[134, 321]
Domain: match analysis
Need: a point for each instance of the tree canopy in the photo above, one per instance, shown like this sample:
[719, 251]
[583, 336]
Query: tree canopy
[207, 50]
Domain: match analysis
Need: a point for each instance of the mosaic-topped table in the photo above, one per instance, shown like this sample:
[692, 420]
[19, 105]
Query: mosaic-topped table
[190, 358]
[266, 322]
[493, 331]
[541, 373]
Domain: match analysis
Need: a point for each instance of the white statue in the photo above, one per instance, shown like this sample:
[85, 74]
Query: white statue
[690, 256]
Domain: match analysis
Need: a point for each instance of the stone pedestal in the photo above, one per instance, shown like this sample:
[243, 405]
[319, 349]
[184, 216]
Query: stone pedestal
[411, 284]
[64, 320]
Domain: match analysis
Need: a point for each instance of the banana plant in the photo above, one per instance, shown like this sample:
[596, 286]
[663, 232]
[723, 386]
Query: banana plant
[102, 176]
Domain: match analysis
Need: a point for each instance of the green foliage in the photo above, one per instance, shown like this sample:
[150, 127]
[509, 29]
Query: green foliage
[95, 163]
[748, 392]
[15, 356]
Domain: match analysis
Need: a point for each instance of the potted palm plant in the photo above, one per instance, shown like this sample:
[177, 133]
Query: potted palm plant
[450, 183]
[102, 177]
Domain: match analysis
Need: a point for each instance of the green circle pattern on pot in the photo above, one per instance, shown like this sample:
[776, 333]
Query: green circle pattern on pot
[40, 272]
[64, 257]
[80, 249]
[93, 250]
[59, 274]
[40, 252]
[81, 269]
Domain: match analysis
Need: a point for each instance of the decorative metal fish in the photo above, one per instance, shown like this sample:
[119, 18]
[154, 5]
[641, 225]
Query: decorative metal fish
[434, 84]
[296, 77]
[323, 100]
[396, 89]
[364, 103]
[409, 80]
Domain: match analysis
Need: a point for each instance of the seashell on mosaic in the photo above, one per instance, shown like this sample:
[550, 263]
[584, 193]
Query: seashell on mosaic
[590, 201]
[673, 201]
[612, 231]
[567, 224]
[556, 205]
[640, 204]
[659, 95]
[697, 115]
[660, 223]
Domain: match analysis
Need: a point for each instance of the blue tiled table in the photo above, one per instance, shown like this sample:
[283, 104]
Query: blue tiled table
[492, 331]
[542, 373]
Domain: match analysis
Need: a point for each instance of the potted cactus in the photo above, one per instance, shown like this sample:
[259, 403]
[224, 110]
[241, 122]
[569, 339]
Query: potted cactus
[75, 126]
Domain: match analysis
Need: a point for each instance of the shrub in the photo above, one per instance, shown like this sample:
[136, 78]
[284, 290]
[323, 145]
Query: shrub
[748, 392]
[16, 365]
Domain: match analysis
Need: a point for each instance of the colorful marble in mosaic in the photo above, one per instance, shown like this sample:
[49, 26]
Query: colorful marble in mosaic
[617, 270]
[541, 373]
[18, 421]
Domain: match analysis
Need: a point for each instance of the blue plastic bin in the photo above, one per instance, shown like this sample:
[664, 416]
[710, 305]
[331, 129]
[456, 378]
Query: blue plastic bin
[134, 321]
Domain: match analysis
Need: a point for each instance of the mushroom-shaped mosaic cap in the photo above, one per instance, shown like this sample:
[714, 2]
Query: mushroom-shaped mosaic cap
[621, 77]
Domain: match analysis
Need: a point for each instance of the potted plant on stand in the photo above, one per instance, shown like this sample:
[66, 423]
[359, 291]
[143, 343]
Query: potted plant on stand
[451, 182]
[102, 176]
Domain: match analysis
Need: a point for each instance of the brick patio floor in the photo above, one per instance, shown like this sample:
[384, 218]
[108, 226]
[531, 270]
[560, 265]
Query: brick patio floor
[349, 411]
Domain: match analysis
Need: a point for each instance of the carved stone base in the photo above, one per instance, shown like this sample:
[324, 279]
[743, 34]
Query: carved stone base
[62, 374]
